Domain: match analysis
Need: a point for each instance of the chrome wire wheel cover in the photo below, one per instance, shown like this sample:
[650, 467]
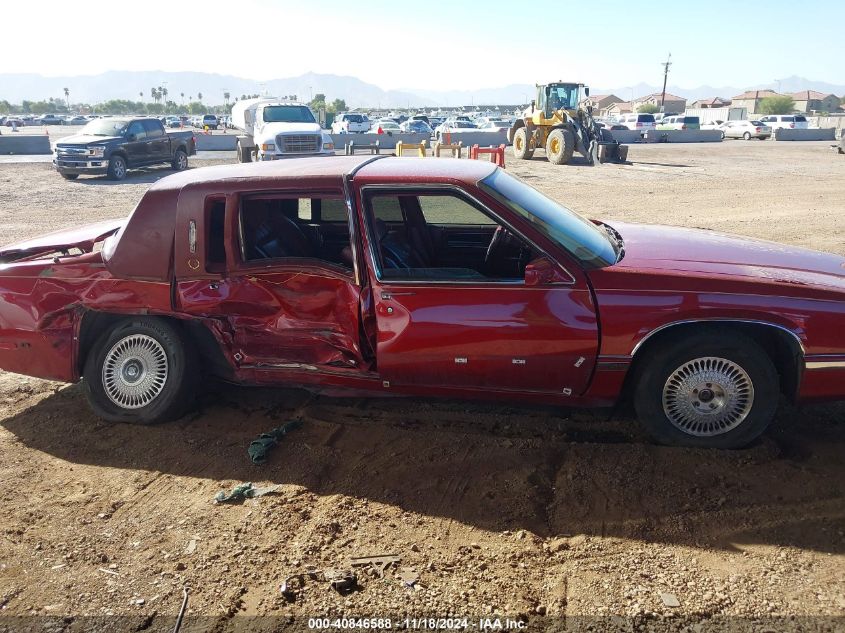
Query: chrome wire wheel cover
[708, 396]
[135, 371]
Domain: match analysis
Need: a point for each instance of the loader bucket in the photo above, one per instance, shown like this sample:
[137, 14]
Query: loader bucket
[612, 152]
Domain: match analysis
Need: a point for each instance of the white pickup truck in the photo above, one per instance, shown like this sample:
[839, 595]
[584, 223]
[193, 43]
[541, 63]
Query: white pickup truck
[274, 128]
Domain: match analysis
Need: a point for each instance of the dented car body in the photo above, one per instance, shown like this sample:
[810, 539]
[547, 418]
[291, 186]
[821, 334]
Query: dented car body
[377, 275]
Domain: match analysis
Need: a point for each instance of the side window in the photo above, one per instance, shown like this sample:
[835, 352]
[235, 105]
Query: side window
[153, 129]
[452, 210]
[137, 129]
[215, 223]
[284, 226]
[422, 236]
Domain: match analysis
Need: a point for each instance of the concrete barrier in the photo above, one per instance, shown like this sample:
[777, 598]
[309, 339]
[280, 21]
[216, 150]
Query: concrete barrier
[475, 137]
[626, 136]
[386, 141]
[789, 134]
[216, 142]
[25, 144]
[684, 136]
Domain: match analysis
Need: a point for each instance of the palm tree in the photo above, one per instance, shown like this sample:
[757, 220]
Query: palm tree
[182, 94]
[67, 97]
[226, 96]
[141, 94]
[164, 94]
[199, 97]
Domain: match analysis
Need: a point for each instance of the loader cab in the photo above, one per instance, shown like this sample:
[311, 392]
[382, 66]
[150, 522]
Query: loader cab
[558, 96]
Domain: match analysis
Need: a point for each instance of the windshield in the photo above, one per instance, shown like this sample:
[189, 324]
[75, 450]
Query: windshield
[105, 127]
[583, 239]
[562, 97]
[288, 114]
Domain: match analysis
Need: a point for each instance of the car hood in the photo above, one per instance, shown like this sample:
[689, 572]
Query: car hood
[684, 251]
[86, 139]
[83, 237]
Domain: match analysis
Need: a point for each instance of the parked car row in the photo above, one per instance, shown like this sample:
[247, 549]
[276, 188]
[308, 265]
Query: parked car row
[761, 128]
[359, 123]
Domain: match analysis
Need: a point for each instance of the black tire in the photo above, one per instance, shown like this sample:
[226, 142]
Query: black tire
[70, 176]
[747, 136]
[244, 154]
[180, 160]
[117, 168]
[168, 399]
[522, 145]
[653, 387]
[560, 145]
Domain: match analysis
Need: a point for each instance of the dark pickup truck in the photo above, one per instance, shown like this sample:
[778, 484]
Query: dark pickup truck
[113, 145]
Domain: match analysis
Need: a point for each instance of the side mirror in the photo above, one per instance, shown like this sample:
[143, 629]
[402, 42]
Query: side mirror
[541, 271]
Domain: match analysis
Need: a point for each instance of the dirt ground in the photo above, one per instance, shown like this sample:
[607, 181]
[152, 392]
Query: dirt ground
[564, 520]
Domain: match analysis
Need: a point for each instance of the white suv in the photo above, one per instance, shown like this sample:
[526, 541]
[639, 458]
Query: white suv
[637, 121]
[780, 121]
[350, 123]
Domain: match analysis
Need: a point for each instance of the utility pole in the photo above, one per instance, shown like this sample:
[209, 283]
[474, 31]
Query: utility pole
[666, 65]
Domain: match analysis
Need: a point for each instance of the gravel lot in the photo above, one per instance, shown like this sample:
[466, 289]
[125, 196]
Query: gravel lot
[565, 520]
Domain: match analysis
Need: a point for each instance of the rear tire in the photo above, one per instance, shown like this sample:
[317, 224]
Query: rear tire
[70, 176]
[141, 371]
[560, 145]
[180, 160]
[717, 389]
[117, 168]
[747, 136]
[522, 144]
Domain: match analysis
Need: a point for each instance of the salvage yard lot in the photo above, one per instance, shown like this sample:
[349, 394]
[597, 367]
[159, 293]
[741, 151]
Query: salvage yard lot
[519, 511]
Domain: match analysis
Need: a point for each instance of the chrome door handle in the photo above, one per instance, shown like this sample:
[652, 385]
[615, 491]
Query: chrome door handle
[389, 295]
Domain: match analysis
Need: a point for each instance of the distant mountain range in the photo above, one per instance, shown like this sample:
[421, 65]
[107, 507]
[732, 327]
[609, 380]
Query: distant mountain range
[356, 93]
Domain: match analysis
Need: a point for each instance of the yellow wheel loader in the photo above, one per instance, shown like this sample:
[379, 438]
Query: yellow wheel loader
[557, 122]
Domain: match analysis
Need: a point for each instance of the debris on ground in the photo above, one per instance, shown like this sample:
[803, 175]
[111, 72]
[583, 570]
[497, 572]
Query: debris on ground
[243, 491]
[259, 449]
[670, 600]
[380, 562]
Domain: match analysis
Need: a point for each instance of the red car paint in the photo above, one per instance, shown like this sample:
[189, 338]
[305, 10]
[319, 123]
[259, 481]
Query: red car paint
[570, 339]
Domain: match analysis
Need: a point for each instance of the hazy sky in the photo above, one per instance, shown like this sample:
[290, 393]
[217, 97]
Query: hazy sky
[444, 44]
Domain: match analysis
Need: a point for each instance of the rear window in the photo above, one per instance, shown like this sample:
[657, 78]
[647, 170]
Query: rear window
[645, 118]
[756, 123]
[800, 119]
[354, 118]
[691, 119]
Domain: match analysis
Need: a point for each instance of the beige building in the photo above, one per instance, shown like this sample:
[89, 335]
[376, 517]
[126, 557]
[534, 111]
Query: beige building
[812, 101]
[673, 103]
[616, 109]
[751, 99]
[715, 102]
[599, 102]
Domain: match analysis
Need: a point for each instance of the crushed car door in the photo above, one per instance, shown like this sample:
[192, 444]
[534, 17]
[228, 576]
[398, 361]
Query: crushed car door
[441, 323]
[264, 276]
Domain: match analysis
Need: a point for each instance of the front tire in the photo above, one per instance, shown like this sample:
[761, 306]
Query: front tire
[180, 160]
[117, 168]
[559, 146]
[714, 390]
[141, 371]
[70, 176]
[522, 144]
[747, 136]
[244, 154]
